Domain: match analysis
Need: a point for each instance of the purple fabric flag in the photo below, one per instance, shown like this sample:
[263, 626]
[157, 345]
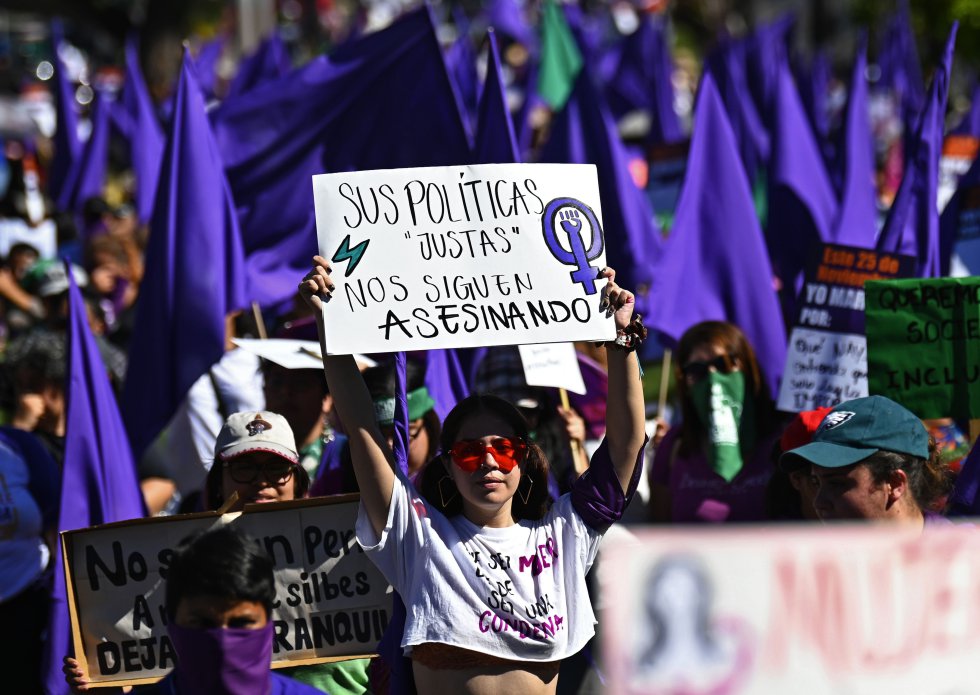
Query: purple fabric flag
[88, 174]
[857, 221]
[495, 139]
[383, 101]
[67, 148]
[584, 133]
[898, 61]
[802, 201]
[714, 265]
[912, 225]
[509, 19]
[970, 123]
[194, 272]
[99, 482]
[814, 84]
[766, 55]
[270, 62]
[642, 81]
[461, 64]
[445, 379]
[727, 67]
[145, 136]
[206, 64]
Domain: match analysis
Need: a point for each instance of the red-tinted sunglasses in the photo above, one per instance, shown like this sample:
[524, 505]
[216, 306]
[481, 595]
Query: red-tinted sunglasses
[469, 454]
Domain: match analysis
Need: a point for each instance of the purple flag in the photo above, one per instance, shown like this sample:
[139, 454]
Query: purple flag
[99, 483]
[87, 176]
[383, 101]
[766, 55]
[445, 379]
[727, 67]
[584, 133]
[714, 265]
[461, 64]
[67, 148]
[206, 64]
[509, 19]
[857, 222]
[802, 201]
[970, 124]
[145, 136]
[269, 63]
[912, 225]
[194, 272]
[642, 81]
[495, 139]
[898, 61]
[814, 84]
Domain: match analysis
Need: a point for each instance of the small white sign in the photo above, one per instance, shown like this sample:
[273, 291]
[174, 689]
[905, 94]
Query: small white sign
[440, 257]
[823, 369]
[554, 365]
[289, 354]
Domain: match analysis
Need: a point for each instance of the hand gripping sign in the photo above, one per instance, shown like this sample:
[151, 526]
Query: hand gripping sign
[494, 254]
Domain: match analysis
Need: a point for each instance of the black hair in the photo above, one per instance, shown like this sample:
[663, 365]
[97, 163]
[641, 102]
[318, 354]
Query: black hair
[224, 563]
[437, 485]
[929, 479]
[37, 358]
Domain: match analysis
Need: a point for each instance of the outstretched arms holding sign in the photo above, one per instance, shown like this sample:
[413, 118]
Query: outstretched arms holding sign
[372, 458]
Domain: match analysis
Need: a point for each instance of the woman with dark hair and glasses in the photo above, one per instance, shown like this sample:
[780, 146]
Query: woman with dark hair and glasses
[492, 577]
[715, 465]
[255, 456]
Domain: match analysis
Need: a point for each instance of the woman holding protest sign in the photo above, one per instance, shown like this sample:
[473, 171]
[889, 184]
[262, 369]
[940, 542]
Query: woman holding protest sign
[714, 466]
[493, 580]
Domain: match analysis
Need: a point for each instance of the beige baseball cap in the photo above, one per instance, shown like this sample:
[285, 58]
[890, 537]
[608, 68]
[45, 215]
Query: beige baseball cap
[255, 431]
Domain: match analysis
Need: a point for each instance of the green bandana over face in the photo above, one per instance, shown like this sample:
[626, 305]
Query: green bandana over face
[719, 400]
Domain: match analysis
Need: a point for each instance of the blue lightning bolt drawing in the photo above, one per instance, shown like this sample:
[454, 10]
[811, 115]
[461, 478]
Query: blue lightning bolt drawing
[355, 254]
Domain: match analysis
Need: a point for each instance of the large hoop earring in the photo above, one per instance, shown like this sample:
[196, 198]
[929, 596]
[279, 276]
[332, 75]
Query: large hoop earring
[525, 496]
[442, 496]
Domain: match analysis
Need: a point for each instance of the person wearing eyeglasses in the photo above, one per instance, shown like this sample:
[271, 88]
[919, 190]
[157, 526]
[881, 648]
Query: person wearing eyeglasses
[255, 456]
[493, 578]
[714, 466]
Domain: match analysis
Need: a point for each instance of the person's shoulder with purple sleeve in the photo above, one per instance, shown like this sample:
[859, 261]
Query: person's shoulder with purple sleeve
[598, 496]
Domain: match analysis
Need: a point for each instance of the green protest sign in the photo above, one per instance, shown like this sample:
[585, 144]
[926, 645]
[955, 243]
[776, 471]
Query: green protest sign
[924, 344]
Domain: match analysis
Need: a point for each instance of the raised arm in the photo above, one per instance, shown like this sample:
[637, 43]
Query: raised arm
[625, 415]
[370, 454]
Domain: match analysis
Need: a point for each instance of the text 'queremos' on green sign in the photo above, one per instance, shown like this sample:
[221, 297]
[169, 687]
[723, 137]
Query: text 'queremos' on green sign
[924, 344]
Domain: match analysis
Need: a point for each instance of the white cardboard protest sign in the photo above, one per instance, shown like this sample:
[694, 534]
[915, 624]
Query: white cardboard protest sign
[331, 600]
[440, 257]
[552, 364]
[823, 369]
[808, 610]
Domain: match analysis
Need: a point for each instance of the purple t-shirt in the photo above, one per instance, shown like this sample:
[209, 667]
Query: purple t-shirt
[699, 495]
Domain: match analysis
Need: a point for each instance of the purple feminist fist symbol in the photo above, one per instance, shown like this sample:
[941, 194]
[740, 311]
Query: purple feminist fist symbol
[575, 254]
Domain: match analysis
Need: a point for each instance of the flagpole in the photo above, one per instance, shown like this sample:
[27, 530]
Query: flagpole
[664, 381]
[259, 321]
[563, 395]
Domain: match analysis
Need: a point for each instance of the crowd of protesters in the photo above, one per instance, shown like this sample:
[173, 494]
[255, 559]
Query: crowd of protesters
[510, 463]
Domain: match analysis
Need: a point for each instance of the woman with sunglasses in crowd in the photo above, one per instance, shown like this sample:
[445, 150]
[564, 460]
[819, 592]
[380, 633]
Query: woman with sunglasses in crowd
[714, 466]
[493, 579]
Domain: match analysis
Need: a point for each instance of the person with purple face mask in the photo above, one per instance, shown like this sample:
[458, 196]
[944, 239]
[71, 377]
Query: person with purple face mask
[219, 595]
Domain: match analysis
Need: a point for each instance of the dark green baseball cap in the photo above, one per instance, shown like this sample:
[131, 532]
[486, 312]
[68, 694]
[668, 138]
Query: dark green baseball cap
[854, 430]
